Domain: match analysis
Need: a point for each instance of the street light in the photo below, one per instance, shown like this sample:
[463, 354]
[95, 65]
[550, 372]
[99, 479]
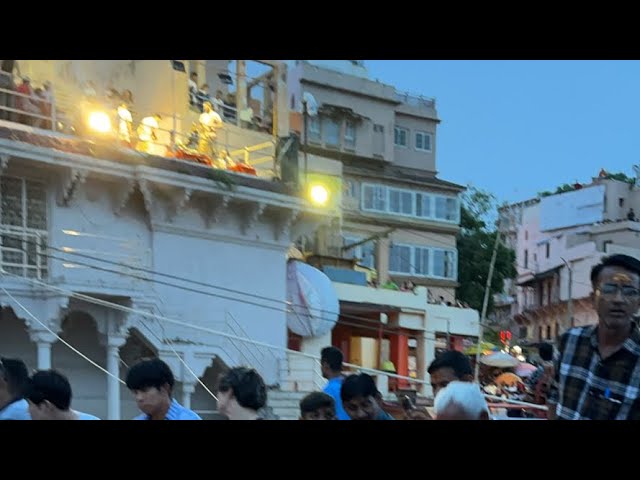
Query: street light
[319, 195]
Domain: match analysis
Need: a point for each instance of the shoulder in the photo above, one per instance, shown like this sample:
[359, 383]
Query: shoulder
[16, 411]
[187, 414]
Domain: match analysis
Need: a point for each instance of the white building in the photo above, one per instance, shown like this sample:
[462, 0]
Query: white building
[159, 214]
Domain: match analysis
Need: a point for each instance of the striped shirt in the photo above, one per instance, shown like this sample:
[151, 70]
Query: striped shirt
[175, 412]
[588, 387]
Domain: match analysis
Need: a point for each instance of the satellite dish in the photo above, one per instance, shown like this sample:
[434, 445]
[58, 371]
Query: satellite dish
[314, 305]
[312, 105]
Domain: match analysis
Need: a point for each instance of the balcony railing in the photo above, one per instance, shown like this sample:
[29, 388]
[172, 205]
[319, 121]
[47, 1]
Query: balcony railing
[415, 100]
[240, 144]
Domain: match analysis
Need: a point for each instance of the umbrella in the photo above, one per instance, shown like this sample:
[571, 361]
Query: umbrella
[525, 369]
[500, 360]
[509, 379]
[487, 347]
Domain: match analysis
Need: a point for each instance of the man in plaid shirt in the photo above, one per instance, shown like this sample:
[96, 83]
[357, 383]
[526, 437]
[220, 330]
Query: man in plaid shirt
[597, 370]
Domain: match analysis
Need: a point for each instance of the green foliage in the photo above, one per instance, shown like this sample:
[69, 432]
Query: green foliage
[475, 247]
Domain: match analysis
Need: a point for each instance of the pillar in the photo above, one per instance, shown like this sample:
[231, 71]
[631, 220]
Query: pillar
[188, 388]
[114, 342]
[421, 365]
[43, 340]
[241, 88]
[382, 260]
[313, 374]
[429, 346]
[400, 356]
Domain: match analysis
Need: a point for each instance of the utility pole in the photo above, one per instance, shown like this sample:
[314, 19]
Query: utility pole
[485, 302]
[570, 300]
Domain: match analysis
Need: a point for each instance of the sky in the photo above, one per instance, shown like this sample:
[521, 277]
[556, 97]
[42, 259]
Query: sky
[516, 128]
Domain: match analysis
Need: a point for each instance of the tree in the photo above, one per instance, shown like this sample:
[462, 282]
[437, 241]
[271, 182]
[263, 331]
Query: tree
[475, 247]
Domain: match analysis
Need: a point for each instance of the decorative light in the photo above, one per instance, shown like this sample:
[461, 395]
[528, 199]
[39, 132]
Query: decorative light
[99, 122]
[319, 195]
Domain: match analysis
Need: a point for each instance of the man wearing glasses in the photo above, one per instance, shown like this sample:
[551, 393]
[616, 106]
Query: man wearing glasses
[597, 371]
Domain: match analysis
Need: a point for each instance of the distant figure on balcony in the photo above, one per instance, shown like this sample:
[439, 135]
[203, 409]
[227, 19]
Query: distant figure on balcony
[14, 378]
[218, 103]
[318, 406]
[151, 383]
[331, 359]
[203, 96]
[241, 394]
[631, 216]
[193, 89]
[210, 122]
[27, 103]
[125, 124]
[148, 135]
[49, 396]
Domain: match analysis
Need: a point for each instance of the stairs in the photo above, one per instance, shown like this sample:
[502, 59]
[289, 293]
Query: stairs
[286, 405]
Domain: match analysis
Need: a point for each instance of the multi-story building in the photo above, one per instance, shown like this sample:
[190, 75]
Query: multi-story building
[399, 220]
[83, 219]
[558, 239]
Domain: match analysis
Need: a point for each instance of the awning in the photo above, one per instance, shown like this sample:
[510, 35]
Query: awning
[540, 276]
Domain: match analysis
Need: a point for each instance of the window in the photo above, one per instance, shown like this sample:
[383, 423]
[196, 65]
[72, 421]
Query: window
[423, 141]
[293, 102]
[444, 263]
[604, 245]
[330, 131]
[23, 227]
[526, 259]
[365, 253]
[400, 137]
[423, 261]
[526, 235]
[423, 205]
[447, 208]
[352, 189]
[621, 202]
[378, 128]
[349, 134]
[401, 201]
[400, 259]
[380, 198]
[314, 129]
[548, 331]
[548, 249]
[374, 198]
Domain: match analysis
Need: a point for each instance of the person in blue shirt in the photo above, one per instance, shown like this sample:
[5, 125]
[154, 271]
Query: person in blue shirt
[361, 398]
[151, 383]
[331, 359]
[14, 377]
[49, 396]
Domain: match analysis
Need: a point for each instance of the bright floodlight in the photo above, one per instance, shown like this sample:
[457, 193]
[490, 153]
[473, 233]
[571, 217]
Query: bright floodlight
[99, 122]
[319, 195]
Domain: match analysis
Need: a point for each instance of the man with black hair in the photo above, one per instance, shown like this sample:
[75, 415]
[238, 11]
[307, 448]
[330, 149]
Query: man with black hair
[241, 393]
[361, 398]
[151, 382]
[13, 380]
[49, 396]
[318, 406]
[331, 359]
[597, 371]
[448, 367]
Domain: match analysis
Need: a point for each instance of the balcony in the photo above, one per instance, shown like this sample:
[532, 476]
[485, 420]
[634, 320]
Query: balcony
[238, 135]
[416, 105]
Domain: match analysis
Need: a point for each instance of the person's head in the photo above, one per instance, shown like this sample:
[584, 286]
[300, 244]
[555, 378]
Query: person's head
[449, 366]
[360, 397]
[151, 383]
[14, 378]
[317, 406]
[205, 88]
[206, 107]
[241, 390]
[194, 76]
[219, 94]
[26, 80]
[616, 284]
[461, 401]
[331, 359]
[545, 350]
[127, 96]
[49, 395]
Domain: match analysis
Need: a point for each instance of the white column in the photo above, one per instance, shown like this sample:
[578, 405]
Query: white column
[113, 367]
[43, 340]
[187, 390]
[429, 356]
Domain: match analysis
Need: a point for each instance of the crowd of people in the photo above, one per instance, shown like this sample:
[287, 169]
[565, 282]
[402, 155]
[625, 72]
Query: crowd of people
[591, 375]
